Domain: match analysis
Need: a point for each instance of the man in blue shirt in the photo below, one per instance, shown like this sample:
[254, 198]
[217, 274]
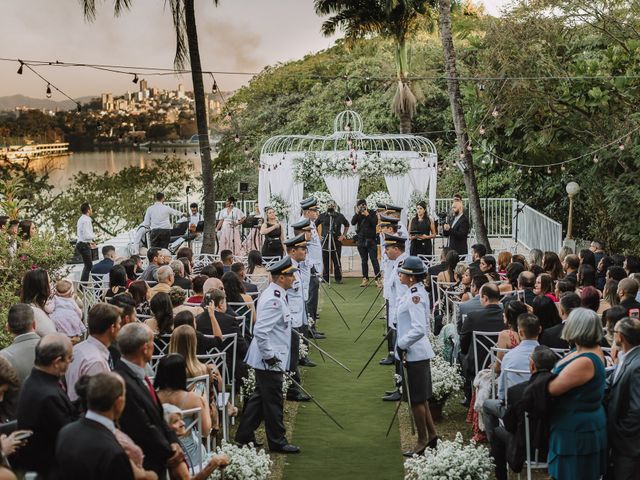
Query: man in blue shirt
[105, 265]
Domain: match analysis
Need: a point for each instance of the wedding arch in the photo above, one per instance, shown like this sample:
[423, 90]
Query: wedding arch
[409, 163]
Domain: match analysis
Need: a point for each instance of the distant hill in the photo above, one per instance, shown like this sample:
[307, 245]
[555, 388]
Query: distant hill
[13, 101]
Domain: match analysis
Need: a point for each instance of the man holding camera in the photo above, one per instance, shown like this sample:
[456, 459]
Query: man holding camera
[366, 222]
[330, 229]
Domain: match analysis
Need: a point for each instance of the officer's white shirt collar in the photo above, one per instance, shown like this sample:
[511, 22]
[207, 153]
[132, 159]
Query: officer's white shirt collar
[101, 419]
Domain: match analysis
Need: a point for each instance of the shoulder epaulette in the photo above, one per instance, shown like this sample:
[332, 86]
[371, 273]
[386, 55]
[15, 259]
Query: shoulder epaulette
[276, 293]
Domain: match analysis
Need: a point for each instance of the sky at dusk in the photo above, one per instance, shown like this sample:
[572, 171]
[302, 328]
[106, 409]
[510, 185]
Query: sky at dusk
[238, 35]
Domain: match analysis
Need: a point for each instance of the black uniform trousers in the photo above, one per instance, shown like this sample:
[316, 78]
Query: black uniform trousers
[84, 249]
[314, 287]
[335, 246]
[160, 237]
[294, 359]
[266, 404]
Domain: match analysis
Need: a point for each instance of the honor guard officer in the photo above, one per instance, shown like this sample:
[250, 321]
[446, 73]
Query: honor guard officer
[269, 354]
[310, 211]
[297, 295]
[388, 226]
[394, 290]
[304, 227]
[414, 350]
[395, 211]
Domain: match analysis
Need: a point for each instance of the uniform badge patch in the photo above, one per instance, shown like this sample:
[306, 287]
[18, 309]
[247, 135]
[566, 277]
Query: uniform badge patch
[276, 293]
[415, 299]
[414, 289]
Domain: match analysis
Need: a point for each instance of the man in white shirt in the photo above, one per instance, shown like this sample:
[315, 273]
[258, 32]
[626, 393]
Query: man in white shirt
[314, 258]
[156, 218]
[85, 239]
[92, 356]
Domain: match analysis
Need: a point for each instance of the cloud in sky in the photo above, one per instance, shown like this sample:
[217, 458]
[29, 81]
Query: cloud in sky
[239, 35]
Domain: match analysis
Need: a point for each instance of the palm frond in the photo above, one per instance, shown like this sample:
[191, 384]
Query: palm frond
[89, 9]
[121, 5]
[180, 26]
[404, 100]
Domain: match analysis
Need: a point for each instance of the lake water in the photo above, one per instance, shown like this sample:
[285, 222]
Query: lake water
[64, 168]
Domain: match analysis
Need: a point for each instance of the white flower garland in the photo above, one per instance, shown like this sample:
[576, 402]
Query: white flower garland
[247, 463]
[280, 206]
[311, 166]
[377, 197]
[445, 379]
[451, 460]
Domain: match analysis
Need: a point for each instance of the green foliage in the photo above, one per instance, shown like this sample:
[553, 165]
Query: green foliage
[42, 251]
[120, 199]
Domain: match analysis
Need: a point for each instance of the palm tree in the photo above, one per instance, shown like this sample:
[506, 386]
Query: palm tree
[460, 124]
[184, 23]
[394, 19]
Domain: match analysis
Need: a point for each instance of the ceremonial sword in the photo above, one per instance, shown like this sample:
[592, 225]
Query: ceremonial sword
[371, 306]
[374, 353]
[369, 324]
[323, 351]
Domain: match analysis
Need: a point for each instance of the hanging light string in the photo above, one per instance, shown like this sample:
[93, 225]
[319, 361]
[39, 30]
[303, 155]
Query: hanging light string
[149, 71]
[49, 84]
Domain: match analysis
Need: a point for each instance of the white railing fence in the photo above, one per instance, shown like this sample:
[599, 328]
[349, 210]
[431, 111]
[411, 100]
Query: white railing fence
[536, 230]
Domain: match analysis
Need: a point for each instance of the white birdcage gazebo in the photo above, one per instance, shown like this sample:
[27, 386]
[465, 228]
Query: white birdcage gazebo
[409, 163]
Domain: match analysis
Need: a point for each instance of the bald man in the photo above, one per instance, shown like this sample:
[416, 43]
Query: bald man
[44, 406]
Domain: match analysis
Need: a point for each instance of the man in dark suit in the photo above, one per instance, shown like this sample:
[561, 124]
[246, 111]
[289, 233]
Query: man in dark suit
[457, 228]
[43, 406]
[87, 448]
[623, 408]
[524, 293]
[487, 319]
[552, 337]
[477, 252]
[570, 265]
[142, 418]
[473, 304]
[105, 265]
[507, 442]
[627, 292]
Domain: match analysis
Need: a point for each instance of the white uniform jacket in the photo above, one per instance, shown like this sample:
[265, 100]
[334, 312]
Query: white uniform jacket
[393, 288]
[413, 325]
[297, 298]
[314, 250]
[272, 331]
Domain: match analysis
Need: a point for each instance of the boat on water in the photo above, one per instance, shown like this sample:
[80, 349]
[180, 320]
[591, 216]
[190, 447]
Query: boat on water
[190, 143]
[32, 151]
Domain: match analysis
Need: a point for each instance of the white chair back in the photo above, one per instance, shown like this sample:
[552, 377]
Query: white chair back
[483, 341]
[219, 360]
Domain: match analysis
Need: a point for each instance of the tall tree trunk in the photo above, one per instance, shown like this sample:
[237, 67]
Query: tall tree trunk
[405, 122]
[460, 124]
[209, 213]
[402, 67]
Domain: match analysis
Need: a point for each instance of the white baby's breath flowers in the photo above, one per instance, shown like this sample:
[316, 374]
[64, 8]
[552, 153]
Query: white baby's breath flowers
[445, 379]
[451, 460]
[247, 463]
[280, 206]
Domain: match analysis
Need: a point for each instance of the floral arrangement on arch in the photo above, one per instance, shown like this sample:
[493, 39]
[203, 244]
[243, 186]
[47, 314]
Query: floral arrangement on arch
[280, 206]
[377, 197]
[445, 379]
[323, 200]
[247, 463]
[413, 201]
[451, 460]
[312, 166]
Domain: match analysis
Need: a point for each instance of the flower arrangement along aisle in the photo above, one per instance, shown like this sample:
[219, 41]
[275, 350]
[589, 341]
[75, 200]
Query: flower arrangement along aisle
[451, 460]
[377, 197]
[445, 379]
[280, 206]
[247, 463]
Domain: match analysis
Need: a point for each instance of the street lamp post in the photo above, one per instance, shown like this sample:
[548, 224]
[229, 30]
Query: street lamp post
[572, 190]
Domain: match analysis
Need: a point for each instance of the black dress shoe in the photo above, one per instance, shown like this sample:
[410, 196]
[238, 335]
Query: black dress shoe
[411, 453]
[298, 397]
[288, 448]
[433, 443]
[305, 362]
[389, 392]
[339, 282]
[465, 402]
[318, 335]
[253, 443]
[387, 361]
[393, 397]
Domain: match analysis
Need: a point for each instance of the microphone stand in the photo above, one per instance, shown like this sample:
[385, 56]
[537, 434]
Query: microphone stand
[189, 219]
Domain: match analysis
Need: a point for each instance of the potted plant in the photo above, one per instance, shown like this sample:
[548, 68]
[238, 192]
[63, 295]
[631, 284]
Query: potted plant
[247, 463]
[445, 380]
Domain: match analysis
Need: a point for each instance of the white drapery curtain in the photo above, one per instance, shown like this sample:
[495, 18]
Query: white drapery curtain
[280, 181]
[424, 177]
[344, 190]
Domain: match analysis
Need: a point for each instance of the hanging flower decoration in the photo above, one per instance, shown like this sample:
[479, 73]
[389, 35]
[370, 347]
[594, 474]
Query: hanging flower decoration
[311, 166]
[323, 200]
[378, 197]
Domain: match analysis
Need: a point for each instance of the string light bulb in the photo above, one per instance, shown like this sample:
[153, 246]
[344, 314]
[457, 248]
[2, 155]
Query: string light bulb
[237, 138]
[481, 130]
[246, 150]
[214, 88]
[563, 168]
[48, 91]
[227, 117]
[348, 101]
[621, 146]
[20, 68]
[78, 108]
[595, 159]
[549, 170]
[135, 78]
[495, 113]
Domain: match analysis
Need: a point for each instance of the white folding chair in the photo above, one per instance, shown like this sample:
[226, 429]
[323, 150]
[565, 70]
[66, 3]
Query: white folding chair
[90, 293]
[511, 373]
[201, 385]
[219, 360]
[195, 425]
[230, 347]
[561, 352]
[161, 343]
[495, 360]
[268, 261]
[245, 310]
[153, 364]
[484, 341]
[534, 463]
[261, 281]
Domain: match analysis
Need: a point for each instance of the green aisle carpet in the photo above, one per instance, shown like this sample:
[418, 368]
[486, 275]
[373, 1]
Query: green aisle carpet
[360, 451]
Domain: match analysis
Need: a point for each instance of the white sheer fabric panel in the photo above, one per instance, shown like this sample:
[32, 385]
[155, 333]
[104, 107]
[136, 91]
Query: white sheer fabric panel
[344, 190]
[281, 183]
[424, 176]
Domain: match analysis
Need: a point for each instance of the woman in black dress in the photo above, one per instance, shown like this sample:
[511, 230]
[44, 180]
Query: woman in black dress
[273, 235]
[421, 230]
